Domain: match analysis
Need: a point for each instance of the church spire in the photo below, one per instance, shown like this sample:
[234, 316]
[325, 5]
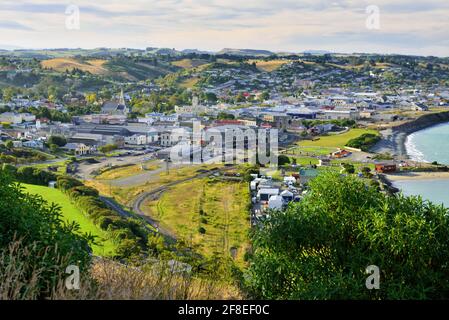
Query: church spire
[122, 99]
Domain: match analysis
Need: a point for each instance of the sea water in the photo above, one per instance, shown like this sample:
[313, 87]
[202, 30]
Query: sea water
[436, 191]
[428, 145]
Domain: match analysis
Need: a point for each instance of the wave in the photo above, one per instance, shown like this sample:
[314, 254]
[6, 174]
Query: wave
[412, 149]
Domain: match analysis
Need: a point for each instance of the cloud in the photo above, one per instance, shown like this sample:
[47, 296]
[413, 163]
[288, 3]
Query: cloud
[415, 26]
[12, 25]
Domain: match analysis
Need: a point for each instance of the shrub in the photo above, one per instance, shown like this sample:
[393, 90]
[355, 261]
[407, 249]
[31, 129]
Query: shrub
[65, 183]
[364, 142]
[283, 160]
[339, 228]
[51, 245]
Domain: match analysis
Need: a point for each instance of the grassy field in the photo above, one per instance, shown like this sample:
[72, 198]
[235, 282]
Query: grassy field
[189, 83]
[310, 151]
[336, 141]
[70, 213]
[219, 207]
[63, 64]
[189, 63]
[269, 66]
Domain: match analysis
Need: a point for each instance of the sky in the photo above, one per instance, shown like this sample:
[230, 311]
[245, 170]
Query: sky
[415, 27]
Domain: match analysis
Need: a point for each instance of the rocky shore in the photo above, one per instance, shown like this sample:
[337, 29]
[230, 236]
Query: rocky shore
[393, 140]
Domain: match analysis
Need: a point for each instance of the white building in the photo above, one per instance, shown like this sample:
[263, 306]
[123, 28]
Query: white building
[137, 139]
[78, 149]
[341, 114]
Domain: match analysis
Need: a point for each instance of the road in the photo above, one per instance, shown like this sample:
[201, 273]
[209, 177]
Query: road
[85, 170]
[142, 178]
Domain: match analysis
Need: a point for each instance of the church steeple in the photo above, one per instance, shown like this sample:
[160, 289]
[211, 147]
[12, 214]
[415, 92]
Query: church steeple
[122, 98]
[122, 102]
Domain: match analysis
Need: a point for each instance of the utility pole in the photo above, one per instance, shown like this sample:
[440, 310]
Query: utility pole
[167, 166]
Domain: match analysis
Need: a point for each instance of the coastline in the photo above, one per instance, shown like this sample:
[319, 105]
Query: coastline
[394, 139]
[410, 176]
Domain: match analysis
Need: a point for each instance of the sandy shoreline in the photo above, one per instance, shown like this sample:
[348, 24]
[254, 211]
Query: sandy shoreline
[407, 176]
[393, 139]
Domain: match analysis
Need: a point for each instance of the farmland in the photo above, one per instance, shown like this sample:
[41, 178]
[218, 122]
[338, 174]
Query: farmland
[269, 66]
[63, 64]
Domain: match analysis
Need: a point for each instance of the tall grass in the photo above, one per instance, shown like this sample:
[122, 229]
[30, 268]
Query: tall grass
[106, 280]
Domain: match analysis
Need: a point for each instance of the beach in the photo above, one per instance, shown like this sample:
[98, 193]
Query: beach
[407, 176]
[393, 139]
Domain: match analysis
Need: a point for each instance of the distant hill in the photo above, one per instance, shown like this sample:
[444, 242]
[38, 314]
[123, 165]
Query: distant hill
[119, 68]
[245, 52]
[316, 52]
[69, 64]
[189, 51]
[68, 53]
[163, 51]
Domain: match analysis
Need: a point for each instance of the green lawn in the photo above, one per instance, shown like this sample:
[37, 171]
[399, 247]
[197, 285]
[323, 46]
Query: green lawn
[338, 140]
[70, 213]
[304, 161]
[312, 150]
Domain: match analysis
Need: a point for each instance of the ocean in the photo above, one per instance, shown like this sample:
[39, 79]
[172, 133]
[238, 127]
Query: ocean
[436, 191]
[428, 145]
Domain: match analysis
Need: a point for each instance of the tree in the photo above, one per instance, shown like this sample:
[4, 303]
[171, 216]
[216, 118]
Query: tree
[283, 160]
[225, 116]
[9, 144]
[91, 97]
[210, 97]
[8, 94]
[264, 96]
[60, 141]
[108, 148]
[320, 248]
[240, 97]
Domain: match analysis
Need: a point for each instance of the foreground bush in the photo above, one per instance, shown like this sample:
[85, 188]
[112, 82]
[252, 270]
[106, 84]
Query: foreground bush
[21, 279]
[320, 248]
[47, 245]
